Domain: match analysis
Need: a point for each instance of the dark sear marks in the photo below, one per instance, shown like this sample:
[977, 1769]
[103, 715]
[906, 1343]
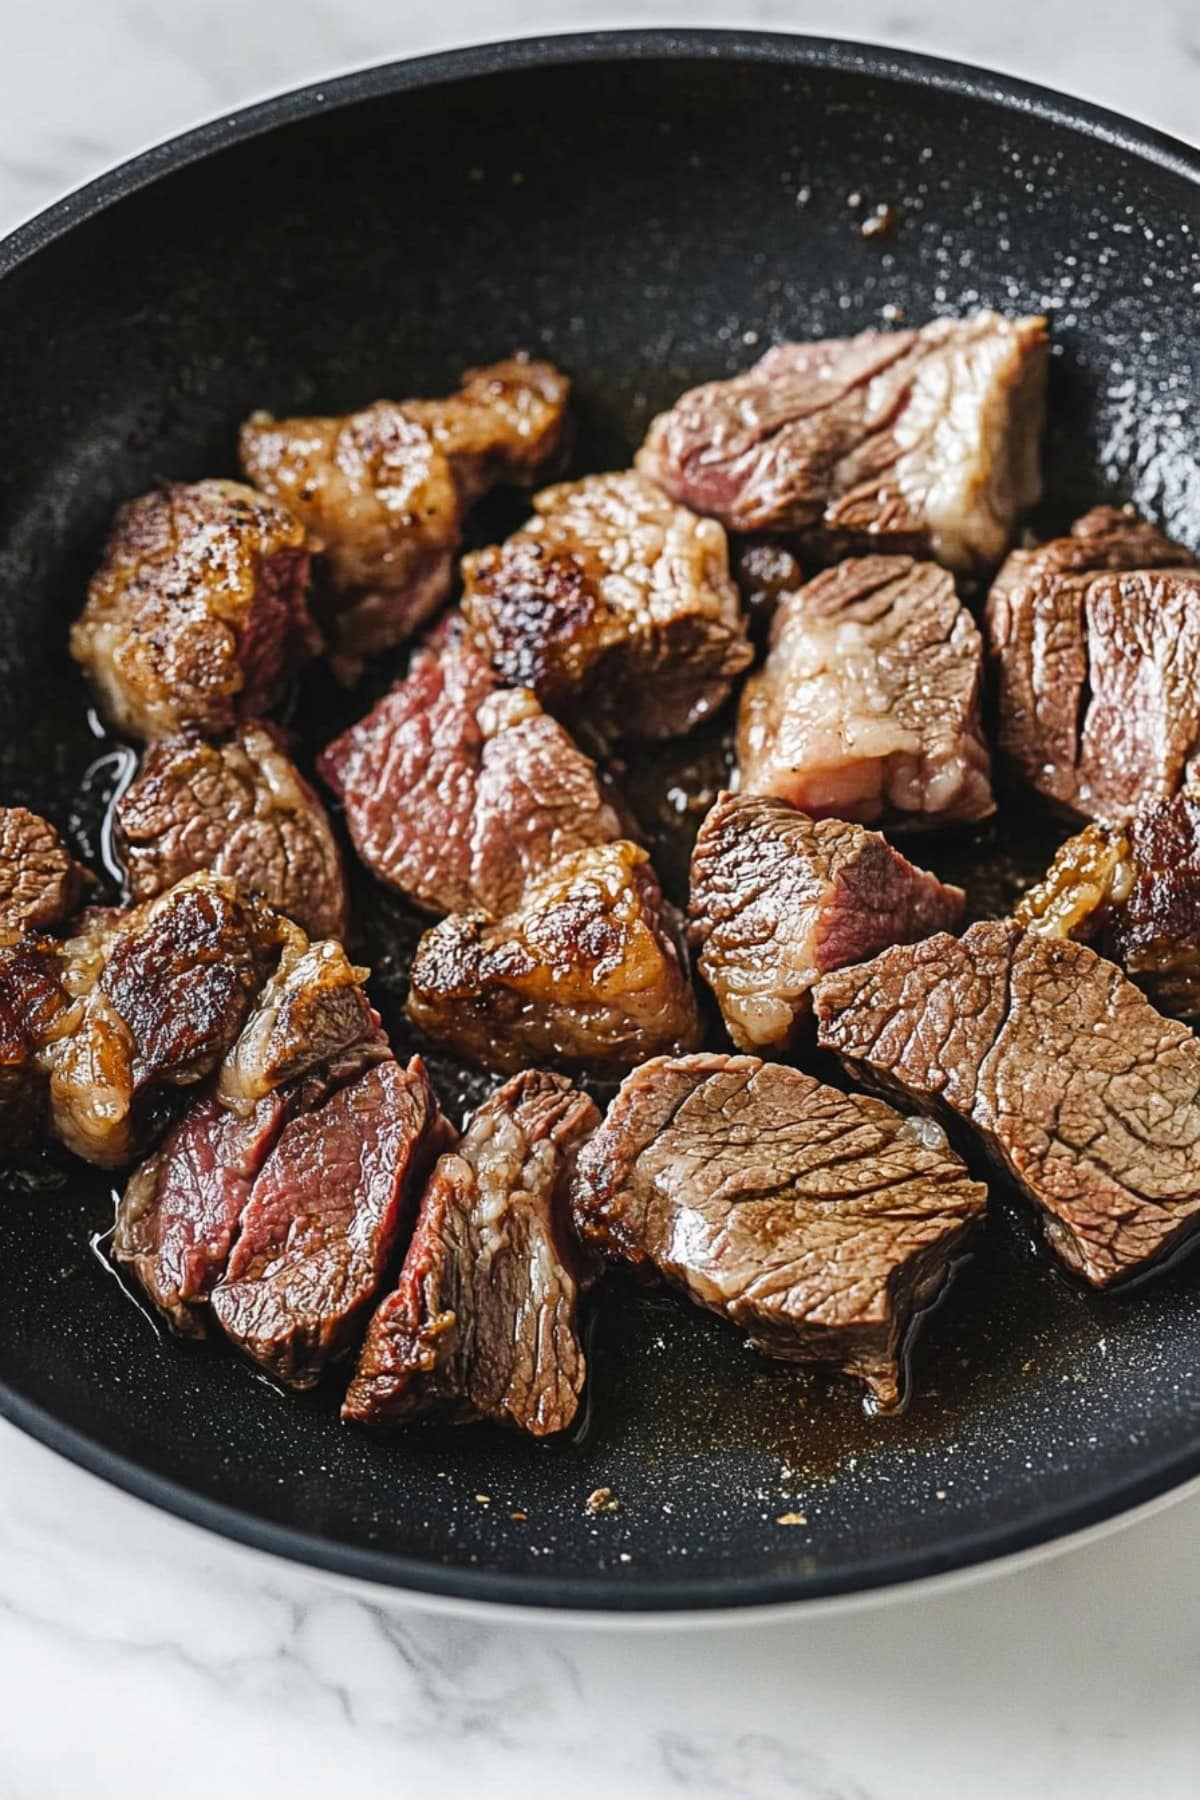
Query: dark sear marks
[41, 884]
[1084, 1094]
[819, 1222]
[483, 1322]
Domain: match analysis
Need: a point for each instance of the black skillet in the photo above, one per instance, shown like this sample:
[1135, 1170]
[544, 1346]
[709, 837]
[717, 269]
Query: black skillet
[648, 209]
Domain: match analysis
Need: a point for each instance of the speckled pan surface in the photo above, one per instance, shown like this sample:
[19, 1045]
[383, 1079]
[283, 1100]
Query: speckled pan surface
[649, 210]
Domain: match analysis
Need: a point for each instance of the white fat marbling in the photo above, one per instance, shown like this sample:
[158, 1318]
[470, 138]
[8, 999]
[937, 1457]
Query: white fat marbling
[139, 1657]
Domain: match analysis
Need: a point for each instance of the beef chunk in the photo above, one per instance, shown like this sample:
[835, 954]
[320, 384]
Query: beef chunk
[779, 899]
[1096, 639]
[822, 1223]
[1079, 1089]
[457, 793]
[867, 707]
[925, 441]
[482, 1324]
[197, 614]
[383, 491]
[241, 808]
[614, 605]
[586, 972]
[311, 1011]
[40, 881]
[175, 983]
[180, 1210]
[323, 1216]
[1133, 890]
[34, 1013]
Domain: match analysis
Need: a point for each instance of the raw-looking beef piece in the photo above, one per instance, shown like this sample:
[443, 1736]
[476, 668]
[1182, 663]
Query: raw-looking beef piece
[482, 1324]
[457, 792]
[240, 807]
[614, 605]
[924, 441]
[197, 614]
[1133, 891]
[1096, 642]
[1086, 1095]
[35, 1010]
[312, 1010]
[323, 1216]
[821, 1223]
[169, 993]
[587, 972]
[868, 705]
[779, 899]
[40, 882]
[383, 491]
[180, 1210]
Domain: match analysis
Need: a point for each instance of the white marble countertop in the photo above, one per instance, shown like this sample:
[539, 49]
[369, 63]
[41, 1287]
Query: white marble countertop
[138, 1655]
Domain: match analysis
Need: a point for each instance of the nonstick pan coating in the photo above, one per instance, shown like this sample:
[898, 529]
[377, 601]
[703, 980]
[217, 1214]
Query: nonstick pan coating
[650, 210]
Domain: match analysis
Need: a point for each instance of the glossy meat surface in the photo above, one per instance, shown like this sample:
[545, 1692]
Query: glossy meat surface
[197, 614]
[778, 899]
[614, 605]
[586, 973]
[483, 1321]
[819, 1222]
[41, 884]
[923, 441]
[868, 705]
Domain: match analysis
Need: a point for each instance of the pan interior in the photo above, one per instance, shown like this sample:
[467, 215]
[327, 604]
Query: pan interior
[647, 224]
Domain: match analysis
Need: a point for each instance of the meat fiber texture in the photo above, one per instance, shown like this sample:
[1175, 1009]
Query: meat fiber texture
[41, 884]
[615, 606]
[198, 612]
[459, 792]
[924, 441]
[779, 899]
[1095, 639]
[240, 807]
[868, 705]
[483, 1321]
[821, 1223]
[1084, 1094]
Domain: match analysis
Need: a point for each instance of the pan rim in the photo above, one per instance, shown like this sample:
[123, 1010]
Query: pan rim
[603, 1594]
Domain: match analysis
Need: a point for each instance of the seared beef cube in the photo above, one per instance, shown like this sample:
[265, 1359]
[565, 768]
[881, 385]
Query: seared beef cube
[177, 982]
[241, 808]
[821, 1223]
[779, 899]
[312, 1010]
[34, 1012]
[322, 1218]
[1086, 1095]
[925, 441]
[482, 1324]
[197, 614]
[458, 793]
[867, 707]
[180, 1211]
[1096, 638]
[383, 491]
[1133, 891]
[40, 881]
[587, 972]
[614, 605]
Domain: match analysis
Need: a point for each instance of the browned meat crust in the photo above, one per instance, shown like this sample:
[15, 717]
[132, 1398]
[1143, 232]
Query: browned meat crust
[614, 605]
[820, 1222]
[586, 972]
[41, 884]
[1079, 1089]
[197, 614]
